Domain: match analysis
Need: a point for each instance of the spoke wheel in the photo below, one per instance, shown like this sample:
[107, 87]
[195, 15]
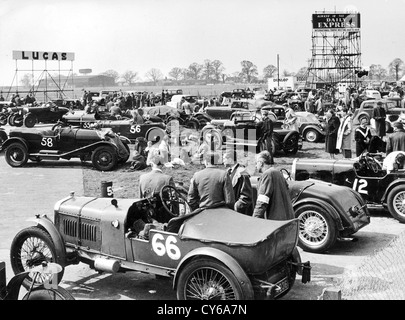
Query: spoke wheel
[396, 203]
[317, 231]
[48, 294]
[31, 247]
[208, 279]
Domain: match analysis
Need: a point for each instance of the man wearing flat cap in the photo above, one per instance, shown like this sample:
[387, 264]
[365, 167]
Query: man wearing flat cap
[396, 140]
[379, 116]
[265, 126]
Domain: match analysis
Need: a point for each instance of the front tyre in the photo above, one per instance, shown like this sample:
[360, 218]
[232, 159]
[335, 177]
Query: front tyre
[396, 203]
[16, 155]
[31, 247]
[208, 279]
[317, 230]
[104, 158]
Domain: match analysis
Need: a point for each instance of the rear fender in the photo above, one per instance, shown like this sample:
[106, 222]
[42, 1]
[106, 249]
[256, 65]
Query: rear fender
[328, 208]
[45, 223]
[222, 257]
[89, 148]
[12, 140]
[291, 134]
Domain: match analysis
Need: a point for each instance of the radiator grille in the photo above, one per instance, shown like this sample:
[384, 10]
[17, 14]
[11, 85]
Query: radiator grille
[70, 227]
[88, 232]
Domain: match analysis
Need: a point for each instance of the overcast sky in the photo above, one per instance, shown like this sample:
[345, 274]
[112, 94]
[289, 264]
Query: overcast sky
[138, 35]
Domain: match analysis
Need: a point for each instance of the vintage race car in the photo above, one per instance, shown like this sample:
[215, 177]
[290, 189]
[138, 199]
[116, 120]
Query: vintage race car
[246, 133]
[254, 259]
[326, 212]
[30, 115]
[363, 174]
[105, 151]
[124, 127]
[225, 112]
[46, 291]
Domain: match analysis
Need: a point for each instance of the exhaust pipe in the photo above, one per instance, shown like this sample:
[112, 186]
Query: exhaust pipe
[106, 265]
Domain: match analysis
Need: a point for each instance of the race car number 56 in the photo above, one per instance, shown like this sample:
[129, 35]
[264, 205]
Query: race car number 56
[135, 129]
[162, 246]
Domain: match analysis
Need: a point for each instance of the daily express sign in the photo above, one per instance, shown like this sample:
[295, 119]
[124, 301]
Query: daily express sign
[43, 55]
[336, 21]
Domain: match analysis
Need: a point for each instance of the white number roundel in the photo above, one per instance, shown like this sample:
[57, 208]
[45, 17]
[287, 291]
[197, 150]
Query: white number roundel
[169, 247]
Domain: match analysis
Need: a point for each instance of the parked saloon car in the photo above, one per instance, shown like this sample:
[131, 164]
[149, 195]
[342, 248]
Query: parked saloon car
[225, 112]
[325, 211]
[25, 144]
[125, 127]
[363, 174]
[254, 259]
[30, 115]
[310, 128]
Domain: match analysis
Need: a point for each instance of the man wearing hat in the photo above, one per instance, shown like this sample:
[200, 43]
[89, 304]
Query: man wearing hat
[396, 140]
[266, 128]
[379, 116]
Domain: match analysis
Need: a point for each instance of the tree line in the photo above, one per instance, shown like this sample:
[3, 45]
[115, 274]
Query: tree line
[213, 71]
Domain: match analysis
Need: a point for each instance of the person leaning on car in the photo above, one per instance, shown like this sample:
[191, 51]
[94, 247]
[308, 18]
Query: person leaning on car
[396, 140]
[273, 198]
[211, 187]
[240, 179]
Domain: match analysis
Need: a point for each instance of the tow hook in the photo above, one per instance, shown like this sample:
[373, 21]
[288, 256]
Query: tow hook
[303, 268]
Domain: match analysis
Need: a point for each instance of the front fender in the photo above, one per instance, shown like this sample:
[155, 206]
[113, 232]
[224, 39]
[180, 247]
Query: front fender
[45, 223]
[12, 140]
[223, 257]
[328, 208]
[391, 186]
[125, 140]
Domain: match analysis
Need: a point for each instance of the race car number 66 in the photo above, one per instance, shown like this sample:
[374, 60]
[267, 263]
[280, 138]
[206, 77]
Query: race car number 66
[168, 247]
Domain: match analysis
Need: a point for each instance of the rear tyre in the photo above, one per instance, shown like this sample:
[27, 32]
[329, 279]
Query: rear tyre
[291, 144]
[30, 120]
[317, 230]
[104, 158]
[396, 203]
[16, 155]
[208, 279]
[31, 247]
[311, 135]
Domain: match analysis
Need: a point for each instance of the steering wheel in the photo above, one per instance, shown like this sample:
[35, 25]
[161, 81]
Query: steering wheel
[173, 201]
[371, 163]
[58, 125]
[286, 174]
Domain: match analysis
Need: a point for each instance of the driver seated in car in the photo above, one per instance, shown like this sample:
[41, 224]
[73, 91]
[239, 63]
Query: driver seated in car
[394, 161]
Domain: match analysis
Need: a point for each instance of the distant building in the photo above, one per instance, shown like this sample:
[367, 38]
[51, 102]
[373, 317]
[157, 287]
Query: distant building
[78, 81]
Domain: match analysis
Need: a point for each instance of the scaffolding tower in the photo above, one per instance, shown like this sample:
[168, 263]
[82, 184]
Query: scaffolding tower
[336, 50]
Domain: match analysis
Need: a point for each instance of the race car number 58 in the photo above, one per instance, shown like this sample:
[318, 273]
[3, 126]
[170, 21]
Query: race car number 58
[162, 246]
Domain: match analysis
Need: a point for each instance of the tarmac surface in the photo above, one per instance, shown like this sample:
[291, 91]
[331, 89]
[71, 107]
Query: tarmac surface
[35, 188]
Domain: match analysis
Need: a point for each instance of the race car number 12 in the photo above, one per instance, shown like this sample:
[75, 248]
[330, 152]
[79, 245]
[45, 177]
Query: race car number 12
[162, 247]
[360, 185]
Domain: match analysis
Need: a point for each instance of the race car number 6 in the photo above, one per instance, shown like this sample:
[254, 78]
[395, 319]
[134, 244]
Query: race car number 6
[168, 247]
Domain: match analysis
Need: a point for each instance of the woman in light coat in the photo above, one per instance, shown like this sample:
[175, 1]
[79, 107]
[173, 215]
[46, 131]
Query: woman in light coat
[344, 137]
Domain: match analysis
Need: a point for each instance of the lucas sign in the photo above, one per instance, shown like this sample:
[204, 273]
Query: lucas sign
[43, 55]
